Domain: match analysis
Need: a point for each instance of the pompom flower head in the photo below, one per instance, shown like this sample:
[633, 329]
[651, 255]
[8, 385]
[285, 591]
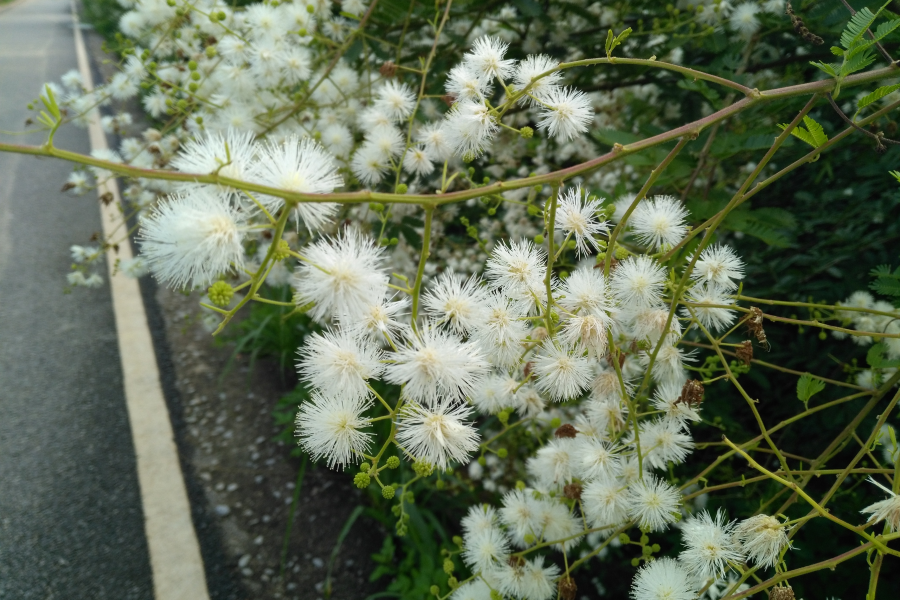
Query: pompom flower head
[659, 221]
[439, 434]
[486, 58]
[332, 427]
[568, 112]
[653, 503]
[299, 166]
[719, 265]
[342, 275]
[230, 155]
[762, 538]
[662, 579]
[638, 282]
[887, 510]
[339, 363]
[561, 374]
[577, 216]
[709, 545]
[190, 239]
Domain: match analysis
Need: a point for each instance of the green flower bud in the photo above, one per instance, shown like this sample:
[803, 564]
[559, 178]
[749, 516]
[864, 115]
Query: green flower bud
[362, 480]
[220, 293]
[394, 241]
[529, 538]
[440, 484]
[387, 492]
[376, 207]
[193, 87]
[222, 15]
[520, 485]
[453, 583]
[503, 415]
[538, 187]
[492, 211]
[213, 17]
[310, 8]
[538, 239]
[170, 2]
[281, 252]
[656, 547]
[486, 180]
[635, 562]
[502, 452]
[563, 274]
[644, 539]
[457, 540]
[401, 188]
[181, 104]
[365, 467]
[555, 422]
[646, 550]
[195, 76]
[448, 566]
[533, 209]
[481, 461]
[409, 498]
[422, 469]
[401, 529]
[435, 591]
[393, 462]
[192, 65]
[623, 538]
[468, 157]
[303, 32]
[526, 132]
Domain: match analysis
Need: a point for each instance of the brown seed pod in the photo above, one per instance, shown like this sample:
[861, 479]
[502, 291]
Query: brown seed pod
[745, 352]
[801, 28]
[754, 323]
[781, 593]
[566, 431]
[691, 393]
[567, 588]
[388, 69]
[572, 491]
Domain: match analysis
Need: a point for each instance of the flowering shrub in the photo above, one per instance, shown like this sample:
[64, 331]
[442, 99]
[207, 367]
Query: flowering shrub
[549, 346]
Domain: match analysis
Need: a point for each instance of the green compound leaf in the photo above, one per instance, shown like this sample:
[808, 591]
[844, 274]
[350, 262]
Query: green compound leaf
[814, 134]
[877, 95]
[886, 28]
[858, 62]
[808, 386]
[875, 358]
[858, 25]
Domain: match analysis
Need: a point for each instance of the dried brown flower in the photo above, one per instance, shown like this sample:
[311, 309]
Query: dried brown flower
[801, 29]
[388, 69]
[566, 431]
[745, 352]
[754, 323]
[567, 589]
[781, 593]
[572, 491]
[691, 393]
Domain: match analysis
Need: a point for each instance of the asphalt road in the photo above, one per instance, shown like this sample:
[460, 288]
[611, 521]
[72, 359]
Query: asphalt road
[71, 525]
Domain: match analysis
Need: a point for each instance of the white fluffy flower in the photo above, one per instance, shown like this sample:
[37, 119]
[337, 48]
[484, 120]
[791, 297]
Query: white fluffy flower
[519, 513]
[586, 333]
[638, 282]
[468, 127]
[887, 510]
[669, 364]
[473, 590]
[568, 113]
[459, 302]
[709, 545]
[395, 99]
[662, 579]
[653, 503]
[596, 458]
[553, 463]
[743, 19]
[719, 265]
[531, 67]
[478, 517]
[435, 365]
[495, 393]
[762, 538]
[339, 363]
[517, 269]
[577, 216]
[299, 166]
[464, 83]
[529, 580]
[659, 221]
[341, 276]
[556, 523]
[663, 440]
[485, 548]
[666, 399]
[369, 164]
[585, 291]
[712, 316]
[562, 375]
[332, 428]
[501, 333]
[230, 155]
[417, 161]
[378, 319]
[486, 58]
[605, 502]
[192, 239]
[439, 434]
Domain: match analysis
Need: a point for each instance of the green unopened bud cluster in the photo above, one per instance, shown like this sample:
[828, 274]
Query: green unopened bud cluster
[220, 293]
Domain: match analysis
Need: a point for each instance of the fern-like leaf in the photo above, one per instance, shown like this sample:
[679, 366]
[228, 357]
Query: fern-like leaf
[886, 286]
[815, 130]
[858, 62]
[829, 69]
[877, 95]
[881, 271]
[886, 28]
[858, 25]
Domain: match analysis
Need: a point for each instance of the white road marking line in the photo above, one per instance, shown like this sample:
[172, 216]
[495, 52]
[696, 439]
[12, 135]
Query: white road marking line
[175, 559]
